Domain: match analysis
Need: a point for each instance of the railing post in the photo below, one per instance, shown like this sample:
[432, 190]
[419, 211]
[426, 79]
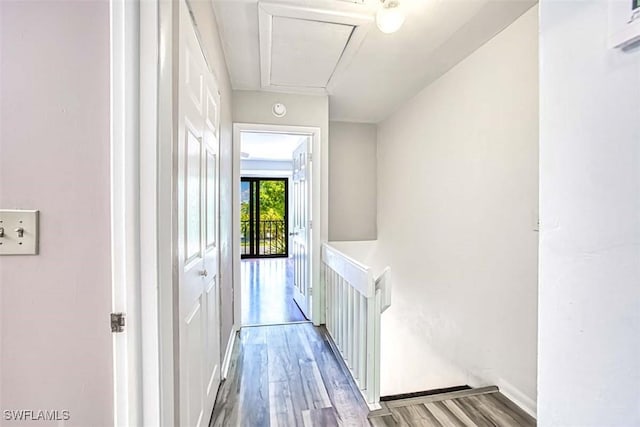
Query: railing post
[376, 347]
[362, 346]
[371, 349]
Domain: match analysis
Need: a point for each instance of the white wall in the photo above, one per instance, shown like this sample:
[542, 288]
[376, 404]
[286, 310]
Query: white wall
[207, 29]
[56, 351]
[302, 110]
[589, 300]
[352, 181]
[457, 208]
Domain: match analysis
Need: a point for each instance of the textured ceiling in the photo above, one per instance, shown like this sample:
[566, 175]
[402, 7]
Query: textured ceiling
[387, 69]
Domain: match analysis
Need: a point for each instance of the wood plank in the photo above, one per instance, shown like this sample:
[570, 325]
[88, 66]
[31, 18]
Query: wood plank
[445, 416]
[413, 415]
[475, 414]
[320, 417]
[283, 369]
[300, 396]
[300, 352]
[514, 410]
[496, 411]
[281, 412]
[279, 363]
[343, 392]
[421, 413]
[254, 385]
[457, 412]
[383, 421]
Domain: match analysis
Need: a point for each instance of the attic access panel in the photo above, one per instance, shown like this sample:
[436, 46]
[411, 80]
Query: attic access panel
[306, 53]
[305, 49]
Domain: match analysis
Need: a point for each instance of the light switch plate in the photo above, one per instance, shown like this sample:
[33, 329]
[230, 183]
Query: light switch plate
[13, 241]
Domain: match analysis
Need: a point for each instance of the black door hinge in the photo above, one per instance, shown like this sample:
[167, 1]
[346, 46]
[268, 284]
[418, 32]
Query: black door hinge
[117, 322]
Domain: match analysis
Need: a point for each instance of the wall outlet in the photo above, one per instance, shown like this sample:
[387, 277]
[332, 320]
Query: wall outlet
[19, 232]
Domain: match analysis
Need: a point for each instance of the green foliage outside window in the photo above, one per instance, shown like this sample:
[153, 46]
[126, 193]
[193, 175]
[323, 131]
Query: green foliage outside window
[272, 203]
[272, 234]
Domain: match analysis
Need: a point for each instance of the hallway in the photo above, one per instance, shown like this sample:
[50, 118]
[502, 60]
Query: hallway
[267, 292]
[287, 375]
[462, 209]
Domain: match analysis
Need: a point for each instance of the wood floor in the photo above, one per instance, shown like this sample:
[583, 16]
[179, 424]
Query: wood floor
[483, 408]
[287, 375]
[267, 292]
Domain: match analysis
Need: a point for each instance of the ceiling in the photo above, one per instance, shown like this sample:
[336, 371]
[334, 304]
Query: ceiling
[268, 146]
[333, 47]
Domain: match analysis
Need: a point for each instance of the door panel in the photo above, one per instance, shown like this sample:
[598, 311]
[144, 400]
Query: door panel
[213, 100]
[193, 76]
[198, 350]
[301, 236]
[211, 215]
[193, 194]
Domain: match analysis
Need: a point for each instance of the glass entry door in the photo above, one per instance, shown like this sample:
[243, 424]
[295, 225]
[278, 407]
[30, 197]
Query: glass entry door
[264, 222]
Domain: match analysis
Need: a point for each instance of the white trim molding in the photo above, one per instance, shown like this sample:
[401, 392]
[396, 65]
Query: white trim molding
[318, 231]
[125, 210]
[135, 54]
[166, 205]
[226, 361]
[519, 398]
[149, 273]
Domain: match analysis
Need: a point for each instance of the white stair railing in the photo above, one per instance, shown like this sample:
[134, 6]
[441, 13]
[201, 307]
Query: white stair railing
[355, 302]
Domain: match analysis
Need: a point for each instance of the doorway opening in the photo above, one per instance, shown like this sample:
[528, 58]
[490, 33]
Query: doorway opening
[274, 262]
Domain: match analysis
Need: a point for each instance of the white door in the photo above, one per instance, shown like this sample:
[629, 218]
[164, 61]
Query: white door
[210, 247]
[199, 325]
[301, 233]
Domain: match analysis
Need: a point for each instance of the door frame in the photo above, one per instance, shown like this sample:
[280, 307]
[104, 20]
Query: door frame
[318, 214]
[131, 25]
[143, 44]
[144, 229]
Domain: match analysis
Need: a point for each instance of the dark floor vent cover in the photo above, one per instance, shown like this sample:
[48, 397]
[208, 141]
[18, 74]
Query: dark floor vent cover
[424, 393]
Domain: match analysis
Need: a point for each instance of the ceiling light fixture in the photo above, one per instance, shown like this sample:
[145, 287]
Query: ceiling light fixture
[390, 16]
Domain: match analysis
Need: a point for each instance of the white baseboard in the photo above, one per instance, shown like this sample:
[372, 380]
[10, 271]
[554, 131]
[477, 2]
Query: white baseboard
[228, 352]
[527, 404]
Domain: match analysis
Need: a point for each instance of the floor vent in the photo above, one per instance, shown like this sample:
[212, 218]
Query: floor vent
[424, 393]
